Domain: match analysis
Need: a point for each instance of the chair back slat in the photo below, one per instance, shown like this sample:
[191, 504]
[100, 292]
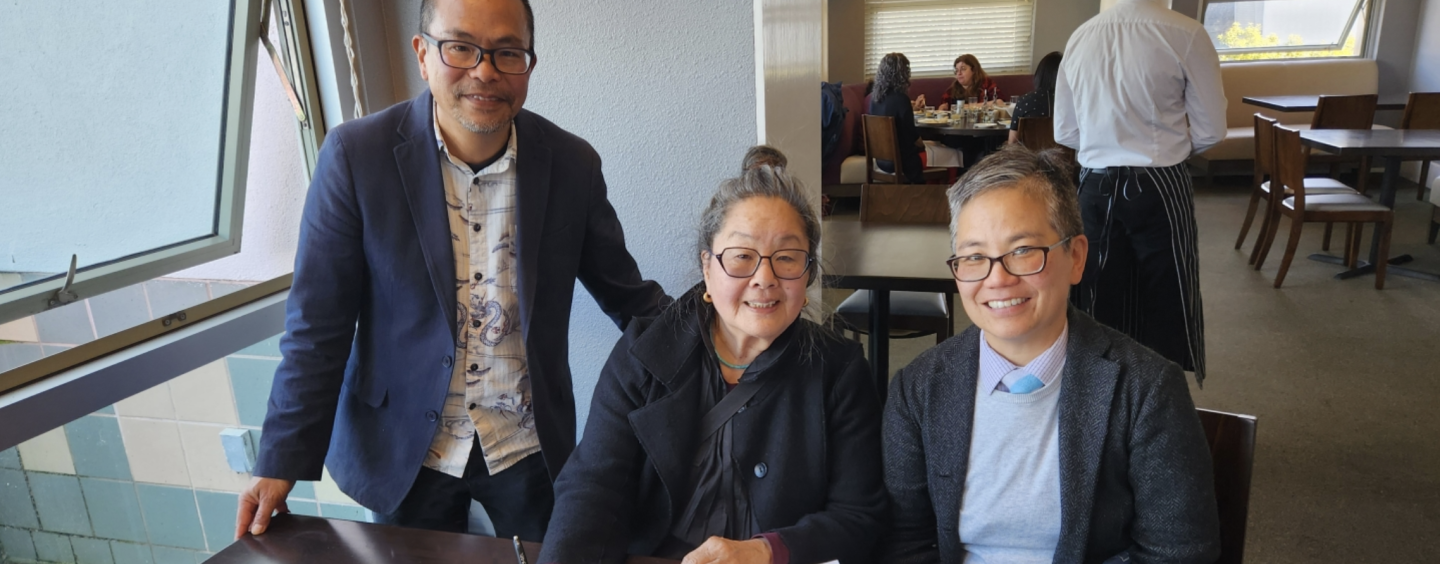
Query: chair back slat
[1289, 171]
[1345, 112]
[880, 144]
[1422, 111]
[1264, 145]
[1037, 133]
[1232, 454]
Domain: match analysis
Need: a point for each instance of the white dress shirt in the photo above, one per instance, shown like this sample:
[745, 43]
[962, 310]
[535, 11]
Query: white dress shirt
[489, 396]
[1139, 86]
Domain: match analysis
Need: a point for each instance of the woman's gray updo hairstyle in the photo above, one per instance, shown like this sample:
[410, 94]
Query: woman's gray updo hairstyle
[763, 181]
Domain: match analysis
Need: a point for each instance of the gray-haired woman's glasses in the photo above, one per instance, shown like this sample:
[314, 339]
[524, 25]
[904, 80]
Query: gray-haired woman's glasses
[1023, 261]
[462, 55]
[740, 262]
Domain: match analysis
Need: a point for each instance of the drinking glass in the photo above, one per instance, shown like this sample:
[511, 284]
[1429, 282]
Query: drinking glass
[929, 111]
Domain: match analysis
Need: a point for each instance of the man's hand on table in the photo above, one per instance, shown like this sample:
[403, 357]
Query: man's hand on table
[261, 499]
[718, 550]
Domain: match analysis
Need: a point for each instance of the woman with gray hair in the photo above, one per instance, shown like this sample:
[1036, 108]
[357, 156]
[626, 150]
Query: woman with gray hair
[730, 429]
[1039, 435]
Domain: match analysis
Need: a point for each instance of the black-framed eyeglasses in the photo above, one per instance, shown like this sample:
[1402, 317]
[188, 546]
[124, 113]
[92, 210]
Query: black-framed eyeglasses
[465, 55]
[740, 262]
[1023, 261]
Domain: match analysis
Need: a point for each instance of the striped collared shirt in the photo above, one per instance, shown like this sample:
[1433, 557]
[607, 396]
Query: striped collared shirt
[489, 395]
[1046, 367]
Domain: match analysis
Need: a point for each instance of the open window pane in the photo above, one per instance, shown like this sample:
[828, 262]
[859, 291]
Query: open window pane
[1276, 29]
[932, 33]
[123, 139]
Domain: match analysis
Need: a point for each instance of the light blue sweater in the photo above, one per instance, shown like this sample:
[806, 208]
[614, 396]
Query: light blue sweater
[1010, 511]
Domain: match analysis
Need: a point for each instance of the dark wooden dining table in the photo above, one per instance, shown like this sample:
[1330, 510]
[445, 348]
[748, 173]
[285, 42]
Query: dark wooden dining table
[1308, 103]
[1392, 146]
[296, 539]
[884, 258]
[933, 130]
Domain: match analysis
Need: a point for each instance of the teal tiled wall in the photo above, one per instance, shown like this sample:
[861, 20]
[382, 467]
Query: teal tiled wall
[91, 492]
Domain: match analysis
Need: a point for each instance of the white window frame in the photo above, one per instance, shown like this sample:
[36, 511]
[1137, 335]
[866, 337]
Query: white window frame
[872, 54]
[96, 279]
[1362, 7]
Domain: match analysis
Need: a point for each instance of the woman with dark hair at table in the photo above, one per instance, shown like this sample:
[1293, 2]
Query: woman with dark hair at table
[729, 428]
[1039, 102]
[890, 98]
[970, 82]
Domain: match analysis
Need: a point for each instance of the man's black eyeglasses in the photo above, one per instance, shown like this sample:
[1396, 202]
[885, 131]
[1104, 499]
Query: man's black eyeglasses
[463, 55]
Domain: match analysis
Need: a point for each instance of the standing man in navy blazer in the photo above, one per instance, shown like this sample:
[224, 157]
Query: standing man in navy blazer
[425, 359]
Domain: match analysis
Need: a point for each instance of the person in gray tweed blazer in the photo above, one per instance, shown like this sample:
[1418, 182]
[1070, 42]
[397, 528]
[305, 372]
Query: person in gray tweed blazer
[972, 466]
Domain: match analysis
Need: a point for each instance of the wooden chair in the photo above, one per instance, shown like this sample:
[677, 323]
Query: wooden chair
[1422, 111]
[1260, 184]
[1346, 112]
[912, 314]
[881, 144]
[1038, 134]
[1232, 457]
[1350, 209]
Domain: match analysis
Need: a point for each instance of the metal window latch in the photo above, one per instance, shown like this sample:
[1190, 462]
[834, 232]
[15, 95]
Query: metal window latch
[65, 295]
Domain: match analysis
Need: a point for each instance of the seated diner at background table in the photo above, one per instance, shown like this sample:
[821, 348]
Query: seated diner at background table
[1039, 102]
[890, 98]
[674, 463]
[971, 81]
[1039, 435]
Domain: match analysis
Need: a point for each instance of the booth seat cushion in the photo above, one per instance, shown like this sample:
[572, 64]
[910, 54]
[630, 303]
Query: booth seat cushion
[1239, 142]
[1275, 78]
[852, 171]
[1282, 78]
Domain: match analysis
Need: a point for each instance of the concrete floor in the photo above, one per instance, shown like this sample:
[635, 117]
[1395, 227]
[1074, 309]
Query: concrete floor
[1344, 379]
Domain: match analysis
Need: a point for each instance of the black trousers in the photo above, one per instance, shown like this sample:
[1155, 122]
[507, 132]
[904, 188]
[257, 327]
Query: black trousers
[518, 500]
[1142, 276]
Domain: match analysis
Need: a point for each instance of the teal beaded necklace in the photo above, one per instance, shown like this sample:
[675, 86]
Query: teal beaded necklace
[722, 359]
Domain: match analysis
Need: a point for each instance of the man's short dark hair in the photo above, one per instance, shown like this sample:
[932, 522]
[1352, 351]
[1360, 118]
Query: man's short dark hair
[427, 15]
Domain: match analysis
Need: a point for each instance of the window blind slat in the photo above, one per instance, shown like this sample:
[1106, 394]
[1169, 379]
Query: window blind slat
[931, 33]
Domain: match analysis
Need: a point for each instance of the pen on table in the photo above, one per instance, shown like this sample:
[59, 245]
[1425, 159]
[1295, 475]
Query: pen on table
[519, 551]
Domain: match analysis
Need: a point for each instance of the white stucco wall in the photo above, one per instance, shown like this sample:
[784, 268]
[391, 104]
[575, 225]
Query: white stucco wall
[665, 91]
[114, 152]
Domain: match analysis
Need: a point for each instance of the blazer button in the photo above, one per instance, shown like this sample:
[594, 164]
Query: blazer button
[761, 470]
[432, 416]
[446, 362]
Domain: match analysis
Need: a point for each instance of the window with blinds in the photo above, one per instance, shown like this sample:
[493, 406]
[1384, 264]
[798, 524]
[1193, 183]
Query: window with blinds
[931, 33]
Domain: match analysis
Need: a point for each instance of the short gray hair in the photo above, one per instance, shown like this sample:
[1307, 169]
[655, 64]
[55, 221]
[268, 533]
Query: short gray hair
[1047, 174]
[762, 181]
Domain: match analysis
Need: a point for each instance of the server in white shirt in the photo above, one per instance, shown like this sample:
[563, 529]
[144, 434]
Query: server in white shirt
[1139, 92]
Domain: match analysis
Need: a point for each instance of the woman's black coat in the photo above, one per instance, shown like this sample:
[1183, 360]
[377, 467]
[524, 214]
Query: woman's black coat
[808, 446]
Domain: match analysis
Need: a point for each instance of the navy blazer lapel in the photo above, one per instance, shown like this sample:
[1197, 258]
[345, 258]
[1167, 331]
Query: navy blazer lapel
[418, 159]
[952, 423]
[532, 194]
[1086, 395]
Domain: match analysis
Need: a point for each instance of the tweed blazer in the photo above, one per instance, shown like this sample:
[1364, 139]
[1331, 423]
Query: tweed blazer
[1135, 478]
